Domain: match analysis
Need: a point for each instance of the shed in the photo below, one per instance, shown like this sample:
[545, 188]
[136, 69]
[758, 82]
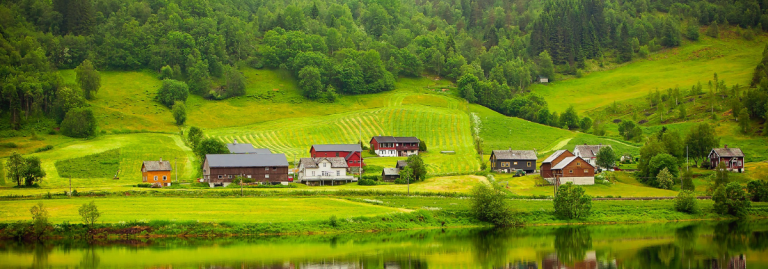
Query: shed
[390, 174]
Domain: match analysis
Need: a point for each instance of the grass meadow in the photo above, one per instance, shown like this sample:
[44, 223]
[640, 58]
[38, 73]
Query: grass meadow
[234, 210]
[731, 57]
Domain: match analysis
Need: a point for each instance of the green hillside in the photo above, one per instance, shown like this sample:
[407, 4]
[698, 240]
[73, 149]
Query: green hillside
[730, 56]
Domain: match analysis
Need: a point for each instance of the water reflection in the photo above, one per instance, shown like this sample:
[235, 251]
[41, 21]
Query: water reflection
[732, 244]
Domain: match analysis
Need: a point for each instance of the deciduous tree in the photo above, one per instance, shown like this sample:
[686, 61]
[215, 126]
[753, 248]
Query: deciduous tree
[88, 78]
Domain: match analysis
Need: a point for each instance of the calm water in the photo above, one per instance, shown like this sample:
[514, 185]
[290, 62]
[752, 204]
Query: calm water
[672, 245]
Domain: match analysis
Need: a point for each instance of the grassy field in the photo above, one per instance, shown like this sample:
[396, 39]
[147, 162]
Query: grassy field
[626, 186]
[731, 57]
[236, 210]
[502, 132]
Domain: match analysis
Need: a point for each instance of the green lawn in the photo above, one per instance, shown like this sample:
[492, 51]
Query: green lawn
[626, 186]
[237, 210]
[502, 132]
[733, 59]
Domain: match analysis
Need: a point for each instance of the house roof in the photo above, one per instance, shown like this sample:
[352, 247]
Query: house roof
[246, 149]
[391, 172]
[728, 152]
[157, 165]
[336, 162]
[554, 156]
[515, 154]
[246, 160]
[396, 139]
[562, 164]
[402, 163]
[589, 151]
[338, 147]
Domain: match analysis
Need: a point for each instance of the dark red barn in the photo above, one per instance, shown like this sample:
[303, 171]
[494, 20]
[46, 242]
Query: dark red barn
[353, 153]
[732, 157]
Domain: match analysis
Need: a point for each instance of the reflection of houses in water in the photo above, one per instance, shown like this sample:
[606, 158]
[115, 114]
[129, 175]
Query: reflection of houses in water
[519, 265]
[330, 265]
[589, 262]
[251, 266]
[735, 262]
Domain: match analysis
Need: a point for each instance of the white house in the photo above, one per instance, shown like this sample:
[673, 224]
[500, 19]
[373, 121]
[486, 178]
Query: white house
[324, 170]
[589, 153]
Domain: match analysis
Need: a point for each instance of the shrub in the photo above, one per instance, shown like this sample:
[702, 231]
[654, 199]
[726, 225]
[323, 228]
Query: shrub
[731, 200]
[758, 190]
[687, 181]
[664, 179]
[79, 123]
[172, 91]
[489, 204]
[45, 148]
[686, 202]
[9, 145]
[571, 202]
[333, 221]
[179, 113]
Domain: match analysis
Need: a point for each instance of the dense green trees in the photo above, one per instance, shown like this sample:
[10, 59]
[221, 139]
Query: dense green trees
[79, 122]
[731, 200]
[210, 146]
[701, 139]
[194, 136]
[26, 171]
[606, 158]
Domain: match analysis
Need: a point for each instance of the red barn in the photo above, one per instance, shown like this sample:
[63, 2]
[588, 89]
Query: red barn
[352, 153]
[732, 157]
[552, 160]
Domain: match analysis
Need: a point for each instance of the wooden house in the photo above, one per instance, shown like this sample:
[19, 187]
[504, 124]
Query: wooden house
[401, 164]
[221, 169]
[573, 169]
[352, 153]
[237, 148]
[324, 171]
[554, 159]
[157, 173]
[507, 161]
[732, 157]
[391, 146]
[390, 174]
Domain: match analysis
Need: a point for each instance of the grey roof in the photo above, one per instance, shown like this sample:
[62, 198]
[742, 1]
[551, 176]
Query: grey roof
[157, 165]
[246, 149]
[729, 152]
[554, 156]
[515, 154]
[336, 162]
[396, 139]
[338, 147]
[402, 163]
[589, 151]
[567, 161]
[246, 160]
[391, 172]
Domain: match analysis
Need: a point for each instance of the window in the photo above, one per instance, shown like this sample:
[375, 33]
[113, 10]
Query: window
[338, 173]
[313, 173]
[155, 178]
[578, 163]
[515, 163]
[266, 168]
[266, 175]
[274, 168]
[323, 164]
[165, 178]
[505, 164]
[586, 171]
[529, 164]
[570, 171]
[337, 154]
[230, 176]
[220, 176]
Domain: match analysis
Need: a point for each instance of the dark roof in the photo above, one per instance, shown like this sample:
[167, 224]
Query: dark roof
[336, 162]
[554, 156]
[246, 149]
[338, 147]
[589, 151]
[396, 139]
[515, 154]
[567, 161]
[157, 165]
[246, 160]
[391, 172]
[402, 163]
[728, 152]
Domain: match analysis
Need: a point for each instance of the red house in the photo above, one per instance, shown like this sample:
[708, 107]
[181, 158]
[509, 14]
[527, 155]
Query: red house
[352, 153]
[390, 146]
[732, 157]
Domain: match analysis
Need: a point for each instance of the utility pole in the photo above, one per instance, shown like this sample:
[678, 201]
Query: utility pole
[175, 171]
[70, 186]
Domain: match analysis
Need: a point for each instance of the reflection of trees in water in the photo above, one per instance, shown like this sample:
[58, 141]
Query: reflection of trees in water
[659, 256]
[731, 237]
[490, 246]
[90, 259]
[572, 243]
[40, 257]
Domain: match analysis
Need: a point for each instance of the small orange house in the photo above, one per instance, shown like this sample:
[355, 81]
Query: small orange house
[157, 173]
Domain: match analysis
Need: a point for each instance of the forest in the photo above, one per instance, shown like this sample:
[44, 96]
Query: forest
[493, 49]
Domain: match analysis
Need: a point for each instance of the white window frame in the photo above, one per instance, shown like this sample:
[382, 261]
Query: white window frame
[266, 175]
[155, 178]
[165, 178]
[220, 177]
[338, 173]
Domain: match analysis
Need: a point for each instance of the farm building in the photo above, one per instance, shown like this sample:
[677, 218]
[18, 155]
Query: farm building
[573, 169]
[237, 148]
[391, 146]
[221, 169]
[510, 160]
[546, 165]
[401, 164]
[542, 79]
[732, 157]
[352, 153]
[589, 153]
[390, 174]
[324, 171]
[157, 173]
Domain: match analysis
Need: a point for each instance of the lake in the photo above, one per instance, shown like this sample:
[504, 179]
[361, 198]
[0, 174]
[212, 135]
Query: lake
[712, 244]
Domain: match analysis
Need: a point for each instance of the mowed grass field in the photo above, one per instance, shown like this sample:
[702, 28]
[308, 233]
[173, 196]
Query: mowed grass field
[731, 57]
[626, 187]
[236, 210]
